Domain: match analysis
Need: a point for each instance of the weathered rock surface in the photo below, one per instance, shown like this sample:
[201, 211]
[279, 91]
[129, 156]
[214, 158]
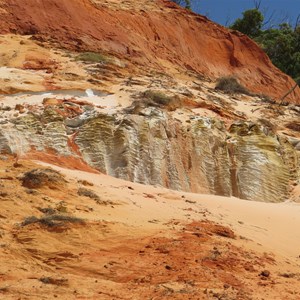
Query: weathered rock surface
[157, 34]
[72, 234]
[153, 147]
[217, 146]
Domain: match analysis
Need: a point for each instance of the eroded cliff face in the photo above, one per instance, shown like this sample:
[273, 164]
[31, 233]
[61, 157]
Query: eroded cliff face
[151, 34]
[205, 141]
[153, 147]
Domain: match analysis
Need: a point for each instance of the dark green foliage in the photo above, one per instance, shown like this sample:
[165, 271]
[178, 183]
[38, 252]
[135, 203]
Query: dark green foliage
[230, 85]
[186, 3]
[282, 44]
[250, 24]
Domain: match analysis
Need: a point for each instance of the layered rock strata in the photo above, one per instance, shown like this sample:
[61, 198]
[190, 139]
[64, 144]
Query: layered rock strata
[152, 147]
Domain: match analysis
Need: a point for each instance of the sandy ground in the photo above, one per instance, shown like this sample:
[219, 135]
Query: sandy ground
[272, 225]
[137, 242]
[141, 242]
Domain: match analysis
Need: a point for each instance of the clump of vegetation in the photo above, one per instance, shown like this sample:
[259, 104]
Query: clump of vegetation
[266, 99]
[282, 46]
[250, 24]
[47, 210]
[230, 85]
[38, 178]
[92, 195]
[156, 98]
[186, 3]
[85, 182]
[91, 57]
[88, 193]
[151, 98]
[281, 42]
[52, 220]
[54, 281]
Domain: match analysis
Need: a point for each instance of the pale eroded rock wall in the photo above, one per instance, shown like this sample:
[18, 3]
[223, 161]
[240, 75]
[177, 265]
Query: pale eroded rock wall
[152, 147]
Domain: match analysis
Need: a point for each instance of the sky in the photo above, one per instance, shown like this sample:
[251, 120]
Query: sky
[226, 11]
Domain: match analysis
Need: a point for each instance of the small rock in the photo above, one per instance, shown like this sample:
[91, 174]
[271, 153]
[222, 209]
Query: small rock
[31, 192]
[3, 194]
[17, 165]
[190, 201]
[6, 108]
[20, 108]
[297, 147]
[288, 275]
[265, 273]
[51, 101]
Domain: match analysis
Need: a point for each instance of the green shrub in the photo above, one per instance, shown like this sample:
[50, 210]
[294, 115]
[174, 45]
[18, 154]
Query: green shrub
[91, 57]
[230, 85]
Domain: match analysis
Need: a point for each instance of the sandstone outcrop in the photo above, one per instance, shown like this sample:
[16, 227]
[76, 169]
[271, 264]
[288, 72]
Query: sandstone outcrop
[152, 147]
[144, 109]
[158, 35]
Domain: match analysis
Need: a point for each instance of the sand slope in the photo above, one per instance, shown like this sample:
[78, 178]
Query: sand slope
[138, 242]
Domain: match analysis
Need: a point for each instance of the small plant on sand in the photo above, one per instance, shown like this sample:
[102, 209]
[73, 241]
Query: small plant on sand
[91, 57]
[54, 281]
[88, 193]
[38, 178]
[51, 220]
[151, 98]
[92, 195]
[230, 85]
[156, 97]
[266, 99]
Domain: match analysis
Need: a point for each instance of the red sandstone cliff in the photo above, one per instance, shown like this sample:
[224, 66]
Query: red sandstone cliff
[151, 33]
